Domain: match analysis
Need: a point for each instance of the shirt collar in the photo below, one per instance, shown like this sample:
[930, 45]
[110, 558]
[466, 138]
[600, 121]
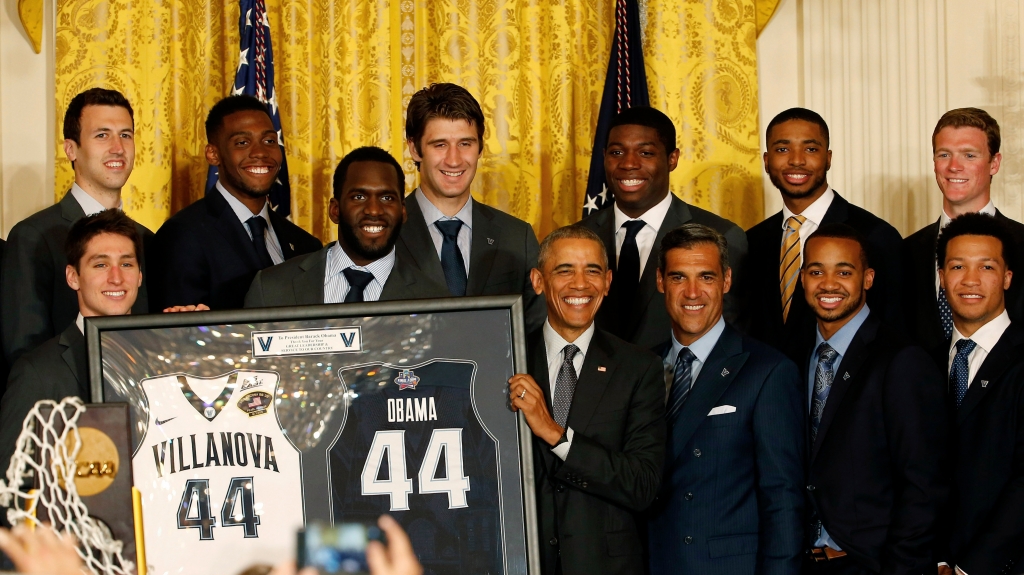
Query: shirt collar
[841, 340]
[431, 214]
[241, 212]
[987, 335]
[80, 322]
[338, 260]
[652, 217]
[814, 212]
[944, 219]
[89, 204]
[554, 343]
[704, 345]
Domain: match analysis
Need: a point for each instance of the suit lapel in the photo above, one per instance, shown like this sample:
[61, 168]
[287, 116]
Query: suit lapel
[538, 364]
[1005, 353]
[308, 285]
[70, 209]
[231, 229]
[283, 233]
[717, 373]
[415, 239]
[483, 248]
[74, 356]
[605, 229]
[926, 269]
[591, 385]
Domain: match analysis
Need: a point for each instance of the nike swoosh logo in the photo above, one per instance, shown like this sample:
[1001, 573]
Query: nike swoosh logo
[163, 421]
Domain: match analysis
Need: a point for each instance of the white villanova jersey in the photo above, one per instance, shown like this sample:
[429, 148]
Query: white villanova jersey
[221, 483]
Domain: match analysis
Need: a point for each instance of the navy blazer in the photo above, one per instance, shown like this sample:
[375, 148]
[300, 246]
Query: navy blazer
[732, 500]
[206, 256]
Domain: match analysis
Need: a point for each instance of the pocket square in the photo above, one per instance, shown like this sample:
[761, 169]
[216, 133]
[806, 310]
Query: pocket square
[722, 409]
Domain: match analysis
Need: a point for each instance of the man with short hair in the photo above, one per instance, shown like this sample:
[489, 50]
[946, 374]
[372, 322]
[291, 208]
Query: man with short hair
[797, 161]
[640, 153]
[731, 501]
[982, 528]
[877, 473]
[965, 152]
[457, 242]
[36, 302]
[369, 208]
[595, 405]
[210, 251]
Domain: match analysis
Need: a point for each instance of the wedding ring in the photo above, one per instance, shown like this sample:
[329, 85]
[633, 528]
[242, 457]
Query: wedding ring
[522, 394]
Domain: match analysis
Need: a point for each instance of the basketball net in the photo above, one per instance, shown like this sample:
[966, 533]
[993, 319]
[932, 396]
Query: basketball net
[42, 453]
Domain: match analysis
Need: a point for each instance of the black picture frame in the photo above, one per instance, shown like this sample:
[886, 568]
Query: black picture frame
[119, 359]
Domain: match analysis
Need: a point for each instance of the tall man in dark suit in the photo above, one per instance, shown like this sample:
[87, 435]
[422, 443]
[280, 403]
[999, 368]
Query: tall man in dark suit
[36, 302]
[732, 498]
[596, 407]
[797, 161]
[457, 242]
[369, 208]
[982, 530]
[965, 151]
[876, 475]
[640, 154]
[210, 251]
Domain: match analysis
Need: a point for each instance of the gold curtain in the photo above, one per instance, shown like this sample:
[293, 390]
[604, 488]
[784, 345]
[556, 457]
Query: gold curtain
[345, 71]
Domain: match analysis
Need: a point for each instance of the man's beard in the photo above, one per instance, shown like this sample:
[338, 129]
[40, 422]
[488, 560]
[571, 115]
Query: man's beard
[370, 252]
[841, 313]
[239, 185]
[779, 183]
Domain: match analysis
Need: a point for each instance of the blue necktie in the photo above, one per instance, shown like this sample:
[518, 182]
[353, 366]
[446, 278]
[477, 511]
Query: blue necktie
[945, 314]
[257, 227]
[823, 377]
[451, 256]
[682, 382]
[961, 369]
[565, 385]
[357, 282]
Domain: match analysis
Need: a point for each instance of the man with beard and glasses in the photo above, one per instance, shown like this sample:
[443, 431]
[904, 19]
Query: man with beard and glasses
[877, 427]
[797, 160]
[369, 208]
[210, 251]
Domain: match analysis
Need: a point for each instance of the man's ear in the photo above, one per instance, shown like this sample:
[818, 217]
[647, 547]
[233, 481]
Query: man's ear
[212, 155]
[728, 280]
[71, 150]
[334, 211]
[869, 278]
[413, 151]
[537, 280]
[942, 278]
[661, 282]
[71, 275]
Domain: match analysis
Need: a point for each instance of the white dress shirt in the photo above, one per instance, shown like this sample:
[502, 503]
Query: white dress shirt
[944, 219]
[553, 345]
[89, 204]
[647, 235]
[80, 322]
[336, 284]
[814, 214]
[243, 214]
[431, 214]
[701, 350]
[986, 338]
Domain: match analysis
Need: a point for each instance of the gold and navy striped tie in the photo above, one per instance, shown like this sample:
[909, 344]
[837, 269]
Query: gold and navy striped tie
[789, 262]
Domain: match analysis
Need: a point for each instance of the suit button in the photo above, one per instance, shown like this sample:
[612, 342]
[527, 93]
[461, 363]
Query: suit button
[696, 453]
[688, 540]
[584, 484]
[810, 488]
[553, 541]
[560, 488]
[688, 496]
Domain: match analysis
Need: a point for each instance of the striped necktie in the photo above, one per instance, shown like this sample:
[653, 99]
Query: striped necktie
[789, 262]
[682, 382]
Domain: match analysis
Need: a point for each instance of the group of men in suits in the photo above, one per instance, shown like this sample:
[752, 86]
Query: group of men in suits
[698, 402]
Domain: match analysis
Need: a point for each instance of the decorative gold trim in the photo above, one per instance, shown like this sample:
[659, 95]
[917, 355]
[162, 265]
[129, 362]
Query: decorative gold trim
[31, 14]
[763, 13]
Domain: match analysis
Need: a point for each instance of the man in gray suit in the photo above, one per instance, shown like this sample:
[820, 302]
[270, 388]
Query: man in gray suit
[369, 208]
[36, 302]
[454, 240]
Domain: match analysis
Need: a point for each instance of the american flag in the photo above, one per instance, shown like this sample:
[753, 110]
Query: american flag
[625, 86]
[255, 77]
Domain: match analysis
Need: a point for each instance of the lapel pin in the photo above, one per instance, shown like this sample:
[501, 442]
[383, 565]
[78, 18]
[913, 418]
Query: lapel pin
[725, 372]
[984, 383]
[291, 247]
[490, 241]
[846, 376]
[602, 368]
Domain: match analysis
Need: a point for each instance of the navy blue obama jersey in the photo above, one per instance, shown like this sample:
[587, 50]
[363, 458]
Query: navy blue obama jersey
[413, 446]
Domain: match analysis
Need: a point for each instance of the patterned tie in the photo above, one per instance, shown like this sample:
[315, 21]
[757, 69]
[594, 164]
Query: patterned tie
[357, 282]
[961, 369]
[945, 314]
[789, 262]
[451, 256]
[565, 385]
[681, 382]
[823, 376]
[258, 227]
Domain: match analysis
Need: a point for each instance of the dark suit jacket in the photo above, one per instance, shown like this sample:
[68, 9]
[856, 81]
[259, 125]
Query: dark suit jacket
[206, 255]
[646, 321]
[300, 281]
[54, 370]
[877, 470]
[503, 251]
[983, 525]
[732, 501]
[922, 308]
[763, 299]
[36, 301]
[586, 504]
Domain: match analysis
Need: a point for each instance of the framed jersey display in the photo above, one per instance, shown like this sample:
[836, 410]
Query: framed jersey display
[247, 425]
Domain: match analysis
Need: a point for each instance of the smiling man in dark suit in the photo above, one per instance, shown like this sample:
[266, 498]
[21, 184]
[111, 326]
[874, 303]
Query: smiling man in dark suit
[965, 151]
[471, 248]
[732, 498]
[596, 407]
[640, 154]
[797, 161]
[369, 208]
[210, 251]
[982, 529]
[876, 474]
